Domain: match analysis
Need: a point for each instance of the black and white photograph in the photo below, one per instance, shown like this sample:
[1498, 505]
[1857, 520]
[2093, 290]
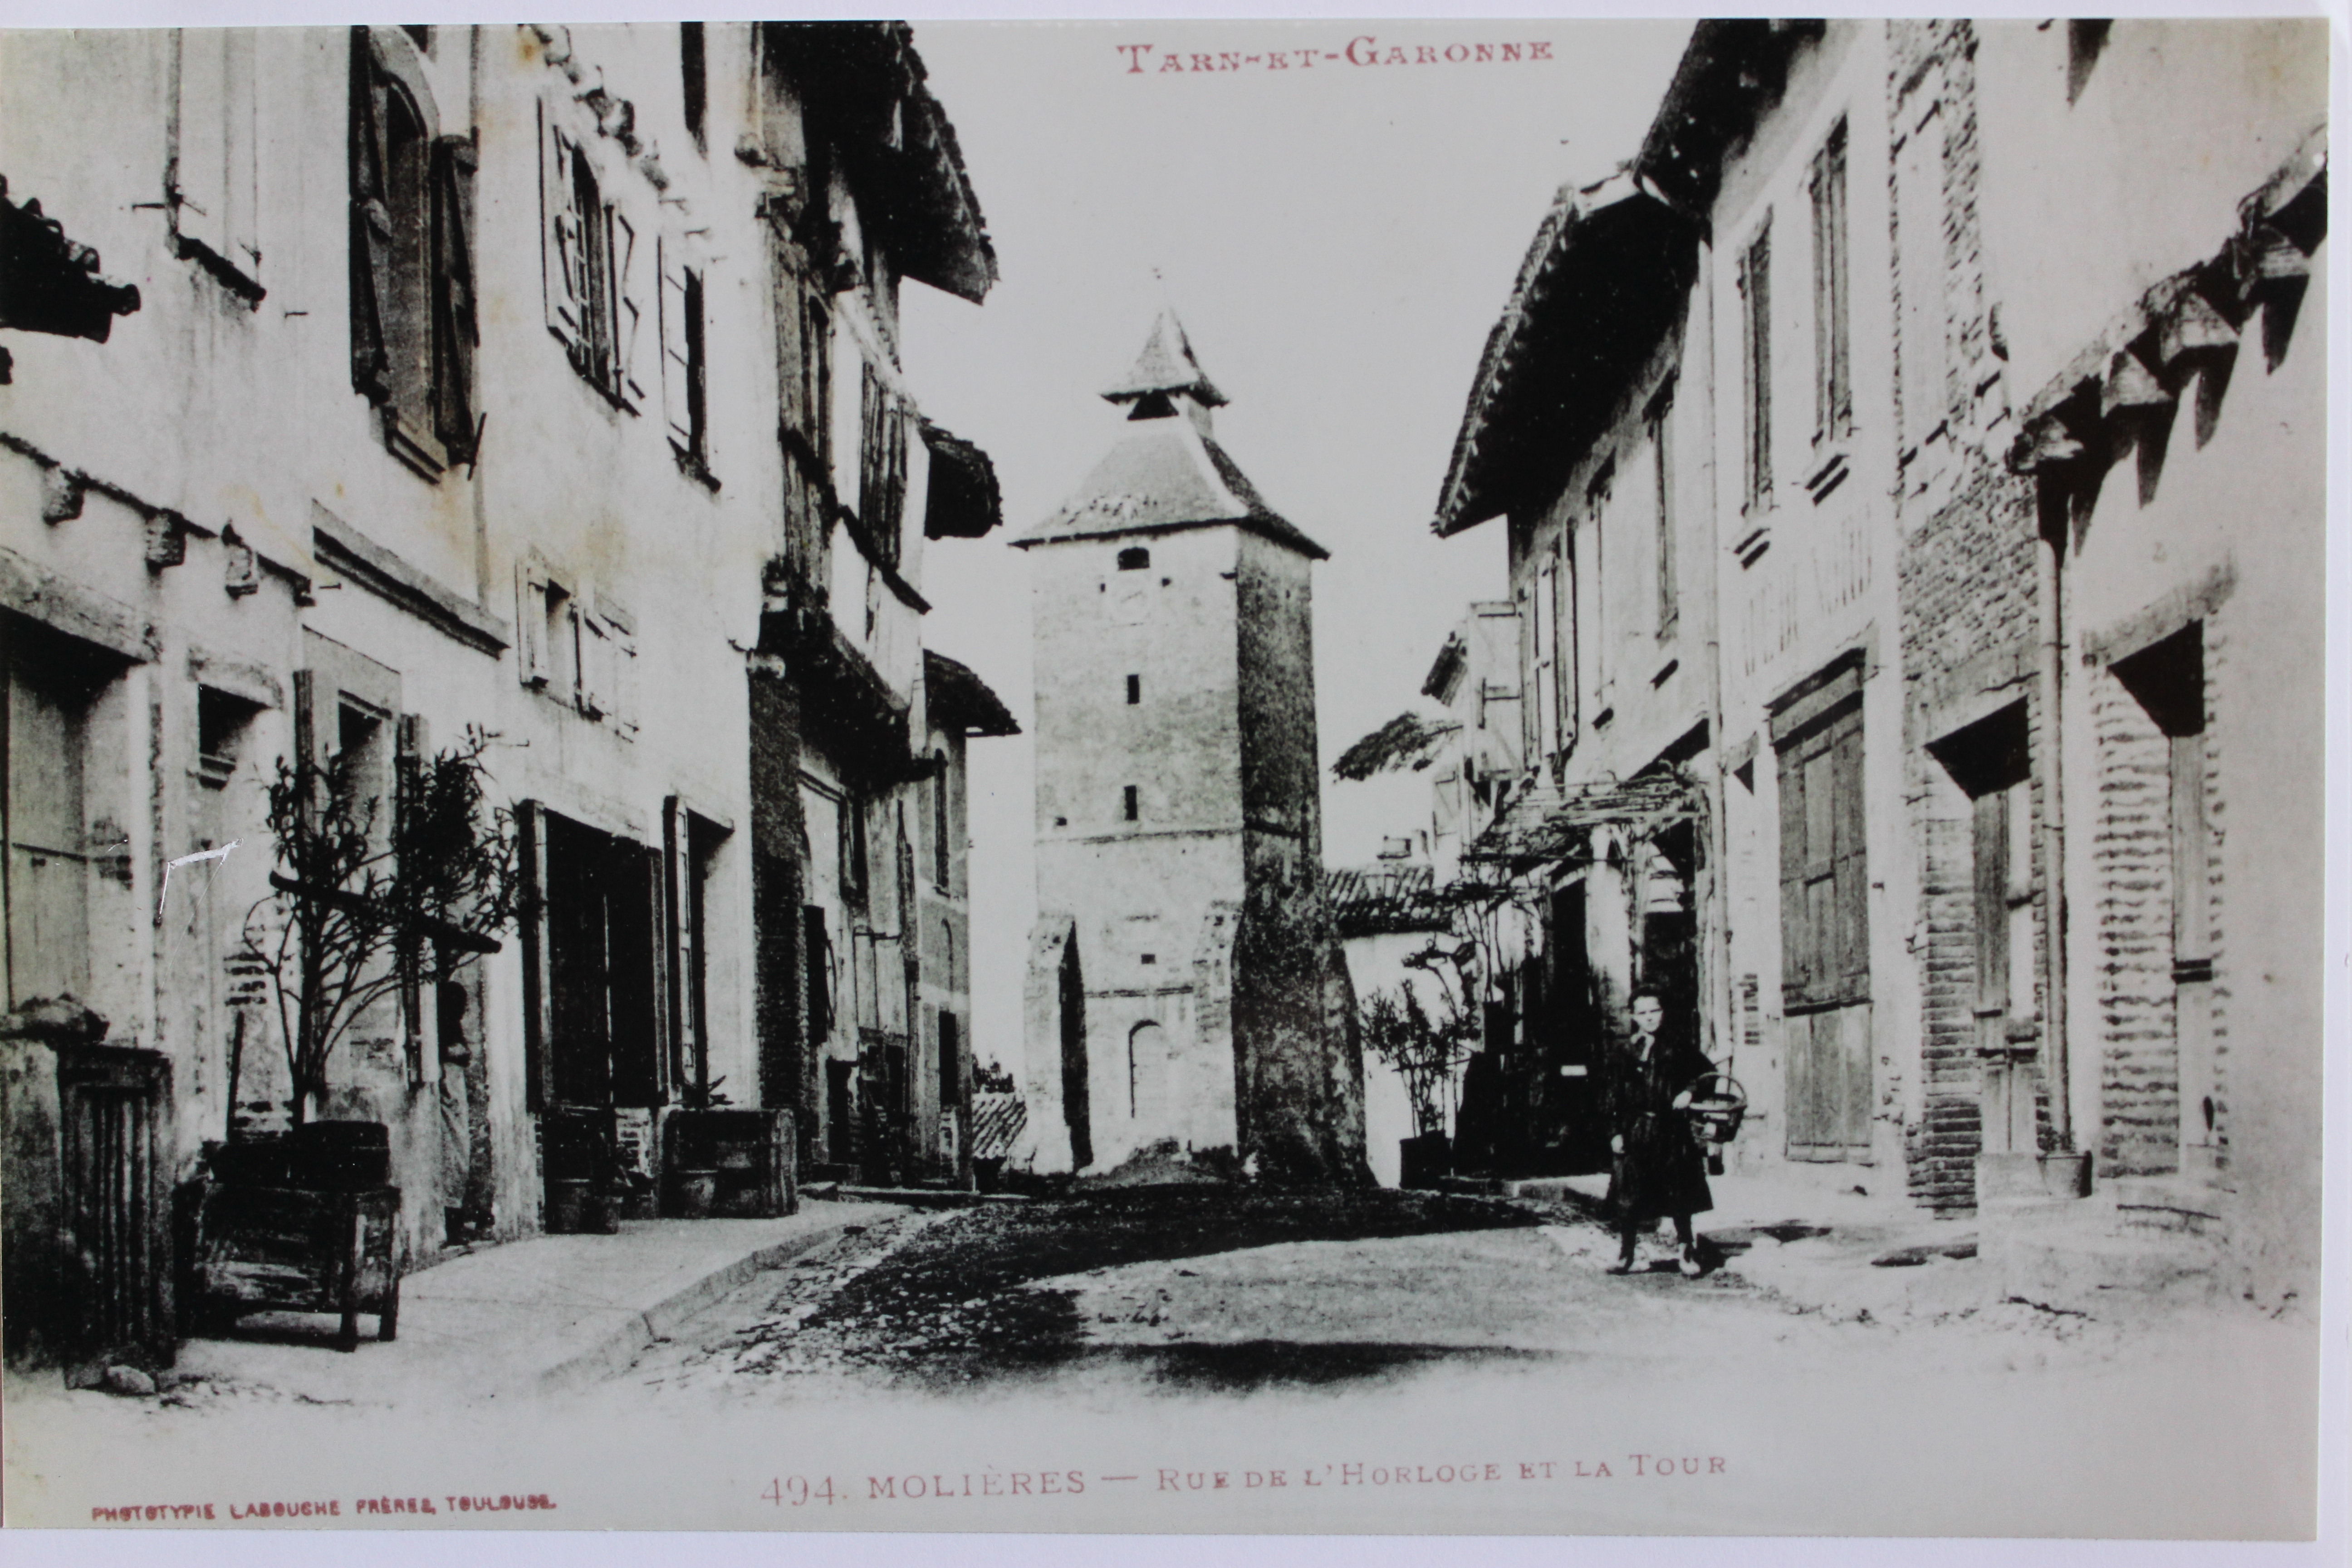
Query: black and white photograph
[1458, 776]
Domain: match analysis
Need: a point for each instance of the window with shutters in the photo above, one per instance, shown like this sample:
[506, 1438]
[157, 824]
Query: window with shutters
[882, 466]
[211, 188]
[414, 332]
[1824, 888]
[1755, 367]
[685, 379]
[1832, 367]
[589, 267]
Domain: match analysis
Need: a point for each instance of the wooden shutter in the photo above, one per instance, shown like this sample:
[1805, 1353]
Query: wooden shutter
[531, 653]
[1849, 876]
[456, 332]
[1798, 965]
[199, 184]
[631, 300]
[371, 224]
[1568, 665]
[562, 259]
[677, 359]
[1756, 294]
[594, 683]
[1920, 269]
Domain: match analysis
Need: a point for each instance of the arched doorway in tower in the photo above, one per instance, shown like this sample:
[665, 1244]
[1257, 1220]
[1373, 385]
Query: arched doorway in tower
[1149, 1098]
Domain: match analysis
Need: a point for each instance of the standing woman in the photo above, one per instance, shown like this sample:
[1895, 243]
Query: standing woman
[1660, 1170]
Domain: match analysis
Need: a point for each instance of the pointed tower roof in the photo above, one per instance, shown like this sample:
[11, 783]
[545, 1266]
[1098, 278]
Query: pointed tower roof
[1168, 472]
[1166, 365]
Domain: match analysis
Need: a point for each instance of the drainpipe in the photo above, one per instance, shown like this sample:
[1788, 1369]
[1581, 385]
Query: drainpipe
[2048, 563]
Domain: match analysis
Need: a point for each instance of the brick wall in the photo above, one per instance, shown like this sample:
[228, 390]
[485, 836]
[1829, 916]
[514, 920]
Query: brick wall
[1966, 574]
[2139, 1086]
[1942, 1148]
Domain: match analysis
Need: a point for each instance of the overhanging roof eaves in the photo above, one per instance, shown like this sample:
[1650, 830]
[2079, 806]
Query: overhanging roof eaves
[1604, 280]
[914, 187]
[1730, 72]
[954, 693]
[1544, 828]
[1162, 477]
[964, 501]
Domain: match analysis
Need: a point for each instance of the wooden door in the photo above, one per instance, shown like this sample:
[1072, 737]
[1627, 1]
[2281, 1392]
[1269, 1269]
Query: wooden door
[1825, 937]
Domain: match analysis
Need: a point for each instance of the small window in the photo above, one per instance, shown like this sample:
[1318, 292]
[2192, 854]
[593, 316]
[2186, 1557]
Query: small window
[691, 74]
[221, 721]
[1134, 559]
[1130, 803]
[1134, 690]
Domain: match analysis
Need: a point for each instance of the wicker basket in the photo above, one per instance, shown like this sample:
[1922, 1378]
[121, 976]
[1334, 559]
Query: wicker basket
[1718, 1105]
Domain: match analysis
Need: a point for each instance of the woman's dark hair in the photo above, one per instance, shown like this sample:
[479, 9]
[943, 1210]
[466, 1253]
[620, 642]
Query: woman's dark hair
[1659, 997]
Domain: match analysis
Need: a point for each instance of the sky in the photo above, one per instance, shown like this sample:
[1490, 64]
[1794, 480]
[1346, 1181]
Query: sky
[1336, 239]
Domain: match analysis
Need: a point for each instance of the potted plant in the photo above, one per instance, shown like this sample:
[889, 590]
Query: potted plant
[357, 918]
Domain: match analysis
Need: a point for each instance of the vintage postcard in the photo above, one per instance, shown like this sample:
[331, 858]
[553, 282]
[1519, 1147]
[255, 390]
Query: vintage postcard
[1520, 776]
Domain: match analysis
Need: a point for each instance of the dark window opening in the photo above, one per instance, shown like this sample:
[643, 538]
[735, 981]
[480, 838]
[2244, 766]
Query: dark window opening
[1134, 690]
[1131, 803]
[1134, 559]
[690, 71]
[852, 849]
[950, 1060]
[221, 721]
[816, 963]
[941, 825]
[422, 36]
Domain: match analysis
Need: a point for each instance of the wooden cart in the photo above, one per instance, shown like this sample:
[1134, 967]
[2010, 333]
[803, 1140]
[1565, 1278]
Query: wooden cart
[295, 1249]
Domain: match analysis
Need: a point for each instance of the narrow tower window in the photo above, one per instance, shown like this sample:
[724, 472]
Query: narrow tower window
[1134, 690]
[1131, 803]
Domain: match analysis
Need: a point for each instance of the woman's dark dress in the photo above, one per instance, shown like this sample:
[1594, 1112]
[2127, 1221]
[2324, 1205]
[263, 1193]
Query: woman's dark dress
[1662, 1171]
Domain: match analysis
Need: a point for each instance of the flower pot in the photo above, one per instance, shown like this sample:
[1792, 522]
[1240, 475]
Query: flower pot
[1422, 1160]
[567, 1205]
[694, 1193]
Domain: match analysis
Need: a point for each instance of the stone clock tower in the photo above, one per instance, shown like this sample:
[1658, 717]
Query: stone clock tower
[1184, 984]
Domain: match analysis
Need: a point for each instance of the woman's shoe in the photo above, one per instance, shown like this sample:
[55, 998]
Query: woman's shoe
[1690, 1265]
[1623, 1266]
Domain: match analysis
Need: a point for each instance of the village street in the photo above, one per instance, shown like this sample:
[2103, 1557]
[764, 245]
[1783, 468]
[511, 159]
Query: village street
[1211, 1290]
[1420, 1354]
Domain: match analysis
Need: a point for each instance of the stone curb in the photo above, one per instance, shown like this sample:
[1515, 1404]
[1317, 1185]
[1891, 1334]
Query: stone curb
[613, 1353]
